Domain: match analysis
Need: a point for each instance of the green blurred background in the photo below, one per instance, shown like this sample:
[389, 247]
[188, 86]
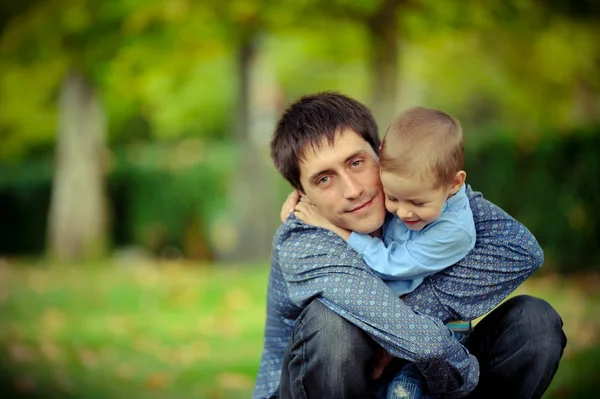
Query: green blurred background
[138, 200]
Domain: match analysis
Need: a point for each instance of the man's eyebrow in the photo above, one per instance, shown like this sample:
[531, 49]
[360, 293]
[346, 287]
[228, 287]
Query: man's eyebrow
[354, 155]
[314, 176]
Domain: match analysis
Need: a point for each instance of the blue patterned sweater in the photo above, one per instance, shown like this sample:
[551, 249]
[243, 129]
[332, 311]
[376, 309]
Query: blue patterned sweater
[310, 263]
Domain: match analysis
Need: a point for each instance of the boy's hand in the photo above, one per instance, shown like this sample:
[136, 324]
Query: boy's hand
[383, 359]
[307, 212]
[289, 205]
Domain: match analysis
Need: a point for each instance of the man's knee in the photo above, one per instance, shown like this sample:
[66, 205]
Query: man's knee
[535, 311]
[540, 325]
[519, 346]
[337, 338]
[328, 356]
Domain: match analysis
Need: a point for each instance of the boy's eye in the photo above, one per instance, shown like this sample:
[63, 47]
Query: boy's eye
[392, 199]
[416, 203]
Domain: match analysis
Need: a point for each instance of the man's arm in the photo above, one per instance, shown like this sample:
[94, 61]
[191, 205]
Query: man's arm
[318, 264]
[505, 255]
[443, 245]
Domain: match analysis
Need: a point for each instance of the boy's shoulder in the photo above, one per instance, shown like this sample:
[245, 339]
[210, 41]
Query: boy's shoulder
[457, 216]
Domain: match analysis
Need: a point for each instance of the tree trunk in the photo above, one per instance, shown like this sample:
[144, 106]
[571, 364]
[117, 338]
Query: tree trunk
[587, 99]
[77, 225]
[383, 31]
[245, 55]
[254, 215]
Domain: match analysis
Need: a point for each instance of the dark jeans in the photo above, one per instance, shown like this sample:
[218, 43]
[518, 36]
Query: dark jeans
[518, 345]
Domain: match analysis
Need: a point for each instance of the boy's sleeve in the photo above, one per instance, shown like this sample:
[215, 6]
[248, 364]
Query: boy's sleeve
[505, 255]
[443, 245]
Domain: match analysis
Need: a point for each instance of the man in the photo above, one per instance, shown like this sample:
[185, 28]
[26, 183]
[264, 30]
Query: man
[328, 314]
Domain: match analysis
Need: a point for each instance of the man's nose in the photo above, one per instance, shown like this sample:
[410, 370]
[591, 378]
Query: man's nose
[352, 188]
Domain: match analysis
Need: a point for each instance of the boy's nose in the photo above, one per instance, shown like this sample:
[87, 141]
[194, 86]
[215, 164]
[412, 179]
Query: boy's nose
[404, 213]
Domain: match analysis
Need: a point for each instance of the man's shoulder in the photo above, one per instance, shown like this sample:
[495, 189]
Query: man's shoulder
[485, 211]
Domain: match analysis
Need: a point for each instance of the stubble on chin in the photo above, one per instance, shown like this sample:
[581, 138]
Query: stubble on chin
[370, 223]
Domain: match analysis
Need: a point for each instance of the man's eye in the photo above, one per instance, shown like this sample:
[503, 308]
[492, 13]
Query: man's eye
[323, 180]
[357, 163]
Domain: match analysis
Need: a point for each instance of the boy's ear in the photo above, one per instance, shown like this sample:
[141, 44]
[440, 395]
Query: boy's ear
[458, 181]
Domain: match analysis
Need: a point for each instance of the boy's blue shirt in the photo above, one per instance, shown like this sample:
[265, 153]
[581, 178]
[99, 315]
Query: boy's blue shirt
[404, 257]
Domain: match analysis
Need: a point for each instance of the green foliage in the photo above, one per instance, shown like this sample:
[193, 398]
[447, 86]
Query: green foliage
[141, 55]
[160, 196]
[518, 65]
[551, 186]
[164, 192]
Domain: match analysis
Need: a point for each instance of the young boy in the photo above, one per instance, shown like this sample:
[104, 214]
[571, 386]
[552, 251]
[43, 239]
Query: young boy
[432, 228]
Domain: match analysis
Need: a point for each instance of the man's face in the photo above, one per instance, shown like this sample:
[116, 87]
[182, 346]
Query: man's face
[342, 180]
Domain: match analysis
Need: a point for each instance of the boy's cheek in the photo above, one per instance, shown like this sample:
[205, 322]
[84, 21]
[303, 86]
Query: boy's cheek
[389, 207]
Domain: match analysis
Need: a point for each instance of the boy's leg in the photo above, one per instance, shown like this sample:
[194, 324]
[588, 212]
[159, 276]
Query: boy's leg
[327, 357]
[408, 384]
[519, 346]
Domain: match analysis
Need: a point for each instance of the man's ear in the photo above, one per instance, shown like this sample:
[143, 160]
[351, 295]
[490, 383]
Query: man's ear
[458, 181]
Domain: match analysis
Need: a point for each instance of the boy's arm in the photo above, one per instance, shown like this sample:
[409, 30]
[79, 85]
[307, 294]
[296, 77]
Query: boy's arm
[505, 255]
[317, 264]
[442, 245]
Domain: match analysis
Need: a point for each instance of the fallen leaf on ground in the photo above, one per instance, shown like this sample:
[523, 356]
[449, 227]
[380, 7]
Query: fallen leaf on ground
[50, 351]
[62, 380]
[21, 353]
[87, 357]
[234, 381]
[25, 384]
[158, 380]
[124, 371]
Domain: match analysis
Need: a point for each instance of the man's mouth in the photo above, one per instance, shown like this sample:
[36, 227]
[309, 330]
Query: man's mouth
[361, 207]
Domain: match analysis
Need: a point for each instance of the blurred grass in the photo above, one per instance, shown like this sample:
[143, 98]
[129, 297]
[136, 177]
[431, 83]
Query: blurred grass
[177, 330]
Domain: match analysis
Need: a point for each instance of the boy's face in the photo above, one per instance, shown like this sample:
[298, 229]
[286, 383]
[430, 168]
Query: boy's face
[342, 180]
[413, 199]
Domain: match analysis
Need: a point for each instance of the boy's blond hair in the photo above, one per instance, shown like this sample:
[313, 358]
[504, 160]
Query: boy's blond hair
[424, 141]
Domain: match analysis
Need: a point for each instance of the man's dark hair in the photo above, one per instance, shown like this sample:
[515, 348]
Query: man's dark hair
[310, 119]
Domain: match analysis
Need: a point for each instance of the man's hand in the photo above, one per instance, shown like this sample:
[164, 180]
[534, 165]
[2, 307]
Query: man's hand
[383, 359]
[289, 205]
[307, 212]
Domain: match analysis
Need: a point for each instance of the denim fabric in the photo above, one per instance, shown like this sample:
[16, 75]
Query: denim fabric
[327, 357]
[518, 346]
[408, 384]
